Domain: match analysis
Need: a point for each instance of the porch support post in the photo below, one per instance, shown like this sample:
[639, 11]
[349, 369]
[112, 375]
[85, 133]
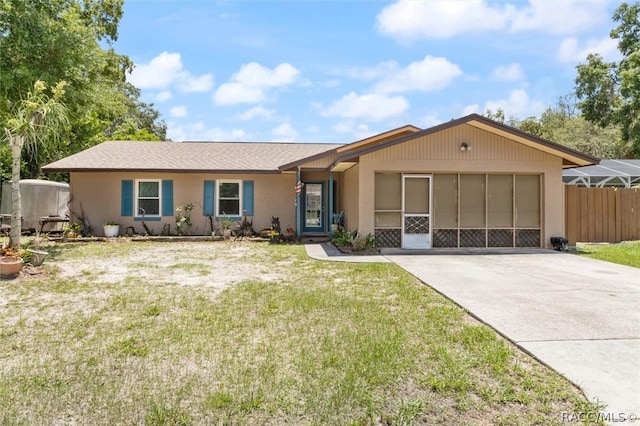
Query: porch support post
[298, 206]
[330, 204]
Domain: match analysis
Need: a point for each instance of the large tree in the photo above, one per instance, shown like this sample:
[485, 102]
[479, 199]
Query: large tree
[36, 119]
[609, 92]
[563, 124]
[72, 40]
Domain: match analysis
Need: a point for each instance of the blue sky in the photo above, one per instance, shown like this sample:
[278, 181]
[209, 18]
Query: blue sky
[340, 71]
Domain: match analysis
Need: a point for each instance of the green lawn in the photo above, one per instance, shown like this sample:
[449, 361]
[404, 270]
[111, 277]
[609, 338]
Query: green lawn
[303, 342]
[625, 253]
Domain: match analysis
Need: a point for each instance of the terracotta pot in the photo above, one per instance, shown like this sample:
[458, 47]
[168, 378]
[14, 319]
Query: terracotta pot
[10, 265]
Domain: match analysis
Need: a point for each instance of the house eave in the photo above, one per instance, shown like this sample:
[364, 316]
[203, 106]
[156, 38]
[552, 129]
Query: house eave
[129, 170]
[570, 157]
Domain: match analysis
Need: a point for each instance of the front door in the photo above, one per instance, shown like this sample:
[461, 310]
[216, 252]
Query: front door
[313, 207]
[416, 211]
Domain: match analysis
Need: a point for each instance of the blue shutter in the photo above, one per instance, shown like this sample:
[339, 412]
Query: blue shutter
[247, 197]
[209, 197]
[126, 198]
[167, 198]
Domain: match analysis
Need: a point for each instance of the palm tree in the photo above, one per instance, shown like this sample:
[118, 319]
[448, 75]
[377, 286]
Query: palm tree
[36, 119]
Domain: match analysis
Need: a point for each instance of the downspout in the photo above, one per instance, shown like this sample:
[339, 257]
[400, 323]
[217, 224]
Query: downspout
[298, 207]
[330, 203]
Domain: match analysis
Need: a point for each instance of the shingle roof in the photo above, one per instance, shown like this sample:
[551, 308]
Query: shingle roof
[263, 157]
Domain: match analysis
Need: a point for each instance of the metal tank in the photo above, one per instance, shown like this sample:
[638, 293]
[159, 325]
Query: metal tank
[40, 199]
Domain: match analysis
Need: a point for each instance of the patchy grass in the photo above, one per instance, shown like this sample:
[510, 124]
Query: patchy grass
[297, 342]
[625, 253]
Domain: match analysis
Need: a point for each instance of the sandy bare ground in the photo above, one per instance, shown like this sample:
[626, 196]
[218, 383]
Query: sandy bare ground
[211, 264]
[95, 266]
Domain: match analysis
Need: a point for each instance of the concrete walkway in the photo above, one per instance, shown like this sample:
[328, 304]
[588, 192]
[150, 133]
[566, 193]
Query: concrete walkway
[579, 316]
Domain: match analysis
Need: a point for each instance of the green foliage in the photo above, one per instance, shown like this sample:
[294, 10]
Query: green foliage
[162, 416]
[37, 120]
[563, 124]
[54, 40]
[625, 253]
[300, 342]
[183, 218]
[343, 238]
[609, 92]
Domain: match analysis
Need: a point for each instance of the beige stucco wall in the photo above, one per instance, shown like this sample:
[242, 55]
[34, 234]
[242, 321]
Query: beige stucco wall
[350, 197]
[440, 153]
[100, 196]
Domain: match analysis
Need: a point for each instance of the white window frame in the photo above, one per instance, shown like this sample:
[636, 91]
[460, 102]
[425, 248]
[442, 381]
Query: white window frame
[219, 212]
[137, 198]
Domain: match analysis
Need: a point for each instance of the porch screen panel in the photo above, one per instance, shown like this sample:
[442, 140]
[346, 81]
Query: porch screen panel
[388, 220]
[388, 191]
[500, 201]
[472, 201]
[388, 209]
[416, 196]
[527, 200]
[445, 201]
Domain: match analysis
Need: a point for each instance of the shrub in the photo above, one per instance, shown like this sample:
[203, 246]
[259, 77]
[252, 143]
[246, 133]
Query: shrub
[351, 241]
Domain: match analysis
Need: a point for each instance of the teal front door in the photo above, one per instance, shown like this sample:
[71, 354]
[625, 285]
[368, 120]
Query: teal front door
[313, 207]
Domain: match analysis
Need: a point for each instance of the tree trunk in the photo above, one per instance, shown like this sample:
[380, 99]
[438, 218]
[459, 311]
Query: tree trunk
[16, 201]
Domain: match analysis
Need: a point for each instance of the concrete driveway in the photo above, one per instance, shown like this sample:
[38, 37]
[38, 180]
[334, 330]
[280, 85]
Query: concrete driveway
[579, 316]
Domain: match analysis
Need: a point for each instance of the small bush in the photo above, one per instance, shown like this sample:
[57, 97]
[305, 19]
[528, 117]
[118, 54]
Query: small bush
[351, 242]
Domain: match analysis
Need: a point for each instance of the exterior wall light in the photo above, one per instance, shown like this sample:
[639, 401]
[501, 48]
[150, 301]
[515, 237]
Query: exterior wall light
[465, 147]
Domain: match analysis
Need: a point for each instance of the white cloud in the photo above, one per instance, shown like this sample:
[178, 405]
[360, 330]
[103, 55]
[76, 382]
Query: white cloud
[511, 72]
[237, 93]
[255, 75]
[357, 131]
[204, 83]
[159, 73]
[166, 70]
[370, 106]
[559, 17]
[471, 109]
[178, 111]
[284, 133]
[257, 112]
[163, 96]
[518, 105]
[198, 131]
[570, 52]
[411, 20]
[249, 85]
[408, 20]
[432, 73]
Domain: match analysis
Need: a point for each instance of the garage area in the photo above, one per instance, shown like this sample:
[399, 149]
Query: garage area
[458, 210]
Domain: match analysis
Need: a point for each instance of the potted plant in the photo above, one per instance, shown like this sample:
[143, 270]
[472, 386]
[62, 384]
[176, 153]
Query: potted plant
[10, 262]
[111, 229]
[72, 230]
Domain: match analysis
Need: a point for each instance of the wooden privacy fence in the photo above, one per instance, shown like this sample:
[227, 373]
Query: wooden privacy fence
[602, 215]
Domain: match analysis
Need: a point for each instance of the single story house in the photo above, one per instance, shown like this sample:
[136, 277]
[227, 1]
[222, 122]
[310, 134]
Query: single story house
[470, 182]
